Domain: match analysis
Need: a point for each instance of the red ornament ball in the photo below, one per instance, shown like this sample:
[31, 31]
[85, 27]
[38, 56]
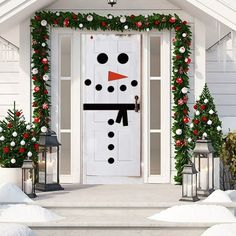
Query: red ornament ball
[37, 17]
[18, 113]
[55, 22]
[36, 89]
[185, 111]
[46, 68]
[186, 119]
[178, 143]
[195, 132]
[179, 80]
[195, 121]
[34, 104]
[188, 60]
[203, 107]
[34, 78]
[139, 24]
[180, 102]
[173, 88]
[45, 61]
[66, 22]
[36, 146]
[9, 125]
[103, 24]
[177, 28]
[45, 106]
[185, 22]
[172, 20]
[45, 91]
[6, 149]
[25, 135]
[195, 106]
[21, 150]
[156, 22]
[36, 120]
[204, 118]
[132, 16]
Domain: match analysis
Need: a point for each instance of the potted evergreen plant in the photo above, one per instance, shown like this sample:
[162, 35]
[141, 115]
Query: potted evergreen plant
[17, 142]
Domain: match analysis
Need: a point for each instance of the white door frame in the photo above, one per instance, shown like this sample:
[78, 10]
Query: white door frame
[77, 163]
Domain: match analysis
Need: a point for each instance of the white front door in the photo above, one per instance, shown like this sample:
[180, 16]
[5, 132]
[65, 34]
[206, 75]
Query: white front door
[111, 95]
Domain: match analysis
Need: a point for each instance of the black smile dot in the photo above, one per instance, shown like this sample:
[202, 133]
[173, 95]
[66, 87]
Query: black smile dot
[110, 89]
[122, 87]
[87, 82]
[110, 122]
[111, 146]
[111, 134]
[111, 160]
[123, 58]
[102, 58]
[98, 87]
[134, 83]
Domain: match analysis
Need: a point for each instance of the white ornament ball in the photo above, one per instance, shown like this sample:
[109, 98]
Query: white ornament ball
[81, 25]
[178, 131]
[33, 126]
[218, 128]
[146, 16]
[147, 29]
[197, 113]
[22, 119]
[45, 77]
[43, 44]
[44, 22]
[22, 143]
[184, 35]
[13, 144]
[13, 160]
[190, 140]
[35, 71]
[211, 112]
[44, 129]
[205, 101]
[176, 70]
[32, 65]
[110, 17]
[58, 13]
[123, 19]
[33, 139]
[209, 122]
[182, 49]
[2, 138]
[126, 27]
[184, 90]
[191, 125]
[1, 129]
[28, 127]
[204, 134]
[29, 154]
[89, 18]
[14, 134]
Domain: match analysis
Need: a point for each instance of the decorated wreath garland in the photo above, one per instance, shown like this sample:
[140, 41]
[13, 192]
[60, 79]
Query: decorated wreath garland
[40, 26]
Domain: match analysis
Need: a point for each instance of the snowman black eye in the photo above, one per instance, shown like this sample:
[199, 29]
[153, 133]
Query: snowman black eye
[102, 58]
[123, 58]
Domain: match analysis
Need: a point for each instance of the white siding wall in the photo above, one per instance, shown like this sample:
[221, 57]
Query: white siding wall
[221, 79]
[9, 77]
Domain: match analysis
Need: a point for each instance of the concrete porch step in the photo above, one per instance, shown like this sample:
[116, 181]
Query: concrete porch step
[114, 222]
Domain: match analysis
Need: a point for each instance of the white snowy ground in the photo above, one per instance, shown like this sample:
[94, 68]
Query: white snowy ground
[15, 206]
[205, 214]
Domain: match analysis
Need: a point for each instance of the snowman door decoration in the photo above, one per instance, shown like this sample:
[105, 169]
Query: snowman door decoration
[111, 96]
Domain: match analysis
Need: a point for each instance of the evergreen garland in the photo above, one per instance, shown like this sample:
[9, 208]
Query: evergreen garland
[17, 140]
[206, 123]
[40, 26]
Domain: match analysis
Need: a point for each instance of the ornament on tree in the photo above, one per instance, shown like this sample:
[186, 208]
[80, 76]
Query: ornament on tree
[209, 122]
[180, 102]
[1, 129]
[35, 71]
[44, 129]
[21, 150]
[45, 106]
[126, 27]
[188, 60]
[122, 19]
[178, 143]
[203, 107]
[204, 119]
[103, 24]
[184, 90]
[179, 131]
[147, 29]
[196, 121]
[44, 23]
[9, 125]
[29, 154]
[179, 80]
[190, 140]
[172, 20]
[13, 160]
[36, 120]
[13, 144]
[66, 22]
[45, 61]
[156, 22]
[191, 125]
[139, 24]
[28, 127]
[195, 132]
[2, 138]
[14, 134]
[205, 101]
[81, 25]
[110, 17]
[89, 18]
[184, 35]
[57, 13]
[45, 77]
[218, 128]
[211, 112]
[22, 142]
[197, 113]
[186, 119]
[25, 135]
[204, 135]
[33, 139]
[36, 89]
[182, 49]
[43, 44]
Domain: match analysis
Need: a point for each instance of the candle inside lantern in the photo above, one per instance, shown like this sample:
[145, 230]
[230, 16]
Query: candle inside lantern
[204, 178]
[28, 186]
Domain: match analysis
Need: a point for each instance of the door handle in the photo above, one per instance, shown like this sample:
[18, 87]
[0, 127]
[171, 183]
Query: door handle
[137, 105]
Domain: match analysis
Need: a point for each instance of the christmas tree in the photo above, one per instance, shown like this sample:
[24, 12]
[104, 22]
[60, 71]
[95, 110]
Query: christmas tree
[206, 123]
[17, 140]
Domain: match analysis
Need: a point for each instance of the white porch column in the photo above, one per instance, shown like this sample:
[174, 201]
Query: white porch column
[200, 57]
[25, 80]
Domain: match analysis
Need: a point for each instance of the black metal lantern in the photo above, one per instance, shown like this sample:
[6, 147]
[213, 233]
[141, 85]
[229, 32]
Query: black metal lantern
[48, 162]
[112, 2]
[204, 161]
[28, 178]
[189, 185]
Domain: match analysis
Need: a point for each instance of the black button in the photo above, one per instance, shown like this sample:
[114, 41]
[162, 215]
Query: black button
[111, 160]
[111, 134]
[110, 121]
[110, 89]
[123, 58]
[134, 83]
[111, 146]
[87, 82]
[98, 87]
[122, 87]
[102, 58]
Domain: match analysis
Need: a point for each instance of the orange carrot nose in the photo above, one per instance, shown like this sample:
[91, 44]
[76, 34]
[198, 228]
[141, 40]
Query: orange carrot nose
[115, 76]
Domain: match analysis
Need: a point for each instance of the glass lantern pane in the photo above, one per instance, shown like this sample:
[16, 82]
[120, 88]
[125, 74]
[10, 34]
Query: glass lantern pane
[185, 179]
[189, 186]
[204, 174]
[211, 171]
[41, 166]
[28, 181]
[52, 165]
[194, 185]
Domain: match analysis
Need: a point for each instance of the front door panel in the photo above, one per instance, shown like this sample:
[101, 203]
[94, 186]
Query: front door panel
[111, 120]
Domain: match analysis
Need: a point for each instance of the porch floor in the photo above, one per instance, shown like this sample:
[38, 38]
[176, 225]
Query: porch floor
[112, 195]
